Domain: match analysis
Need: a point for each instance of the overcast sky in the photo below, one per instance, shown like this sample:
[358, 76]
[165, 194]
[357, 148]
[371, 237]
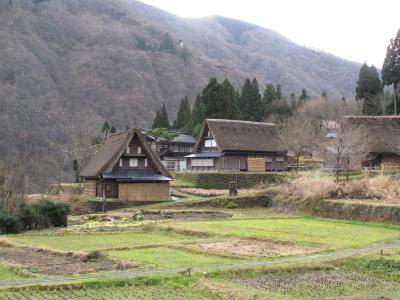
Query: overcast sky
[353, 29]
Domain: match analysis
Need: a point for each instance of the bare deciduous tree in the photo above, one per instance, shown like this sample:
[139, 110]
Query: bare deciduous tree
[299, 135]
[349, 148]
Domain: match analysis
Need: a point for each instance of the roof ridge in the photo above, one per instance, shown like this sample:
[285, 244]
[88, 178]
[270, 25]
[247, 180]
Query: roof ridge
[241, 121]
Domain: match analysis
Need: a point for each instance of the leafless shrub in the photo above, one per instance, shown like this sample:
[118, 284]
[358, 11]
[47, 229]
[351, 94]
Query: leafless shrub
[307, 188]
[384, 188]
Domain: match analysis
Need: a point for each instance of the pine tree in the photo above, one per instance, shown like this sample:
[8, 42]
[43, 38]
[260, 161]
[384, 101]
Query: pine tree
[231, 100]
[75, 167]
[391, 68]
[270, 101]
[113, 130]
[293, 102]
[183, 115]
[388, 99]
[106, 128]
[369, 90]
[279, 92]
[303, 97]
[250, 101]
[324, 94]
[167, 44]
[164, 121]
[157, 121]
[198, 116]
[214, 100]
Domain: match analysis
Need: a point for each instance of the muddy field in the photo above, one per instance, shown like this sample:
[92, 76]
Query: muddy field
[56, 263]
[252, 247]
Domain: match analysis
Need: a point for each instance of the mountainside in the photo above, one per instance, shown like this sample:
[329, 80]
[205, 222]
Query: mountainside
[68, 65]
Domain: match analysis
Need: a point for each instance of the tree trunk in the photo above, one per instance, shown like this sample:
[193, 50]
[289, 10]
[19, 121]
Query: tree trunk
[337, 168]
[297, 162]
[395, 98]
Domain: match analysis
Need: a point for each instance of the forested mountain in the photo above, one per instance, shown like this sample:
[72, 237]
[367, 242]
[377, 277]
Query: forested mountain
[68, 65]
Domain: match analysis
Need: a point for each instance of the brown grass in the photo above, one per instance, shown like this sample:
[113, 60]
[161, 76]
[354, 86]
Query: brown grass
[381, 189]
[307, 188]
[251, 248]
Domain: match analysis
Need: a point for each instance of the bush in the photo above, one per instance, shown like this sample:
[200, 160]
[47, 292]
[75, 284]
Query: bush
[44, 214]
[9, 224]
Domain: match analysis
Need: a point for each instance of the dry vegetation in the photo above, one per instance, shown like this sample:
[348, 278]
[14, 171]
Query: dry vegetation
[384, 189]
[252, 247]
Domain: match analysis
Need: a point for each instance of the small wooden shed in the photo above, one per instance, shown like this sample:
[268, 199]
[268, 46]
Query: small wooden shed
[124, 167]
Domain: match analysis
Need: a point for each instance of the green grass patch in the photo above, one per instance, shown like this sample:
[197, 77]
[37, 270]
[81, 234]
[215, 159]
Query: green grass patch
[171, 258]
[301, 230]
[386, 266]
[12, 273]
[99, 240]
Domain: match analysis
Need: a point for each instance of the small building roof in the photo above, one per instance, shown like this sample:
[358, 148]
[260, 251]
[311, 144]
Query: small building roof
[246, 136]
[382, 133]
[184, 138]
[108, 154]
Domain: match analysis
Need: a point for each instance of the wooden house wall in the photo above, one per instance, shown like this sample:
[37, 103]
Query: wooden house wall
[89, 187]
[244, 163]
[256, 164]
[390, 160]
[143, 191]
[231, 163]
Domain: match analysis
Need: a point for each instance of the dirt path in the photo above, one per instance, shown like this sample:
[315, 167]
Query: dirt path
[131, 274]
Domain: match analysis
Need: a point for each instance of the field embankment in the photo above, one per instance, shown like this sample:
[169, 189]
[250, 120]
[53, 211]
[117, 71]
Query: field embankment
[221, 180]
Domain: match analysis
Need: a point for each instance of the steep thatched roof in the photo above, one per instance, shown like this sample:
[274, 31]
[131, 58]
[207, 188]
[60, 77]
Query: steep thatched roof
[381, 133]
[108, 154]
[232, 135]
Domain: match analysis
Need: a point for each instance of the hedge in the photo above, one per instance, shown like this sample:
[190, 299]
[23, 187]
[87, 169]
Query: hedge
[9, 223]
[251, 201]
[44, 214]
[217, 180]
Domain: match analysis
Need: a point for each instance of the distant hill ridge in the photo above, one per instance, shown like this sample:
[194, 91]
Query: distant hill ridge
[66, 63]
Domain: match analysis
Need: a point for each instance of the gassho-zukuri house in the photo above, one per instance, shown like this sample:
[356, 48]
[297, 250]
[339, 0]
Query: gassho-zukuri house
[230, 145]
[125, 168]
[380, 138]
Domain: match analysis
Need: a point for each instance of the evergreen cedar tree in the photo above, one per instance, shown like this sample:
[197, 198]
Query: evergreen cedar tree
[303, 97]
[391, 68]
[369, 90]
[184, 114]
[222, 101]
[249, 100]
[161, 120]
[214, 100]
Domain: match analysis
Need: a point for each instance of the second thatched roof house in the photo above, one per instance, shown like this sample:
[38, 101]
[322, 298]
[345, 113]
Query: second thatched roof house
[124, 167]
[230, 145]
[382, 137]
[373, 142]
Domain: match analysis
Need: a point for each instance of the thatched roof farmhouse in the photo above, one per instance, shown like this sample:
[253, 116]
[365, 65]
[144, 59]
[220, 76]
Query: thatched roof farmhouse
[124, 167]
[379, 137]
[230, 145]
